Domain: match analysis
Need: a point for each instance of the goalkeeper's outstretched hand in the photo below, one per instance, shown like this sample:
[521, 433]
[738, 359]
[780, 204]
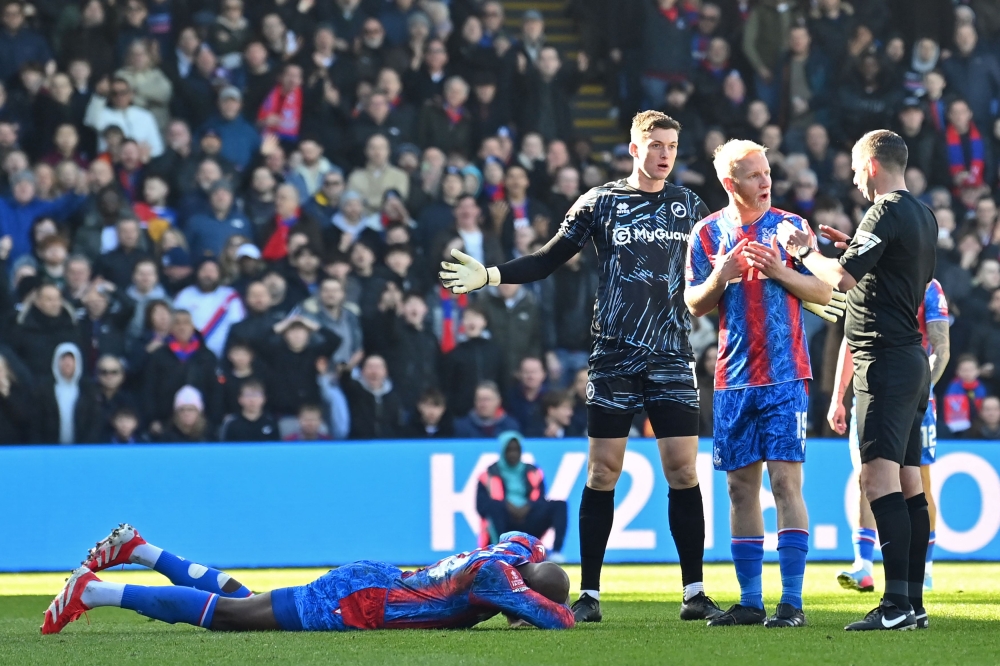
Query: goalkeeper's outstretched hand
[467, 275]
[833, 310]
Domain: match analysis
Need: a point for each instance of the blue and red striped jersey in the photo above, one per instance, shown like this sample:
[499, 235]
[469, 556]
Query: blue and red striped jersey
[466, 589]
[762, 336]
[934, 307]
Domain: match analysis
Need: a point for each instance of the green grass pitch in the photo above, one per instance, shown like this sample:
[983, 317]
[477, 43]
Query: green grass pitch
[640, 627]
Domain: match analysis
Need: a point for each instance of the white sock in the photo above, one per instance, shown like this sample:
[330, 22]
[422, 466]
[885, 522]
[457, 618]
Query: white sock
[593, 594]
[100, 593]
[693, 590]
[146, 555]
[867, 566]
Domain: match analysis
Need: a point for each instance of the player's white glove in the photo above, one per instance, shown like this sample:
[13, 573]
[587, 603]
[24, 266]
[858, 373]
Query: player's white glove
[833, 310]
[467, 275]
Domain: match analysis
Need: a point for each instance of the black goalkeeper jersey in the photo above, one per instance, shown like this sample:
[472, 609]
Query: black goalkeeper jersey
[641, 239]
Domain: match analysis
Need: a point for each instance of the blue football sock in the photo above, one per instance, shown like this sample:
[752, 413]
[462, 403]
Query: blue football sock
[930, 547]
[793, 544]
[864, 547]
[190, 574]
[171, 604]
[748, 556]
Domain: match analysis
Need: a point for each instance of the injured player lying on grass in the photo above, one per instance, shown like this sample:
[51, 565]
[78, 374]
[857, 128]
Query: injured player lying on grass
[458, 592]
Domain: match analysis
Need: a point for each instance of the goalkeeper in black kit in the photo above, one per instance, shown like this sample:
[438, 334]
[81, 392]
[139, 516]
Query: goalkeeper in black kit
[640, 356]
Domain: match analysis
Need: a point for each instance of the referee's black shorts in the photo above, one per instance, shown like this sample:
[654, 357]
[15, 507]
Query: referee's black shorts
[891, 386]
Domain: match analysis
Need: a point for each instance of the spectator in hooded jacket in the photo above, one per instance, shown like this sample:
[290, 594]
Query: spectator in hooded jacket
[68, 412]
[511, 496]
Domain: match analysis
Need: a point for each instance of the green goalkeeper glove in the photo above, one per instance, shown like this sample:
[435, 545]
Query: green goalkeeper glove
[467, 275]
[833, 310]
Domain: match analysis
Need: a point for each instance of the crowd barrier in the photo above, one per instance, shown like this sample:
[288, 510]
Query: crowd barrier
[303, 505]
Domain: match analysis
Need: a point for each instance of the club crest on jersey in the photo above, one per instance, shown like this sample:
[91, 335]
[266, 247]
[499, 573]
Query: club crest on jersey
[622, 209]
[867, 239]
[515, 579]
[678, 209]
[590, 390]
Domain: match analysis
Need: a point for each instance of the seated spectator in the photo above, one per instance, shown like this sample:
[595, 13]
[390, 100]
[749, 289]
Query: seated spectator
[446, 124]
[327, 308]
[214, 307]
[252, 424]
[515, 323]
[258, 325]
[310, 426]
[189, 424]
[557, 406]
[511, 496]
[375, 409]
[240, 140]
[472, 361]
[524, 399]
[378, 175]
[68, 408]
[118, 110]
[45, 323]
[431, 420]
[988, 424]
[240, 367]
[183, 359]
[143, 290]
[351, 224]
[281, 111]
[964, 397]
[208, 232]
[111, 392]
[118, 265]
[16, 407]
[106, 315]
[125, 427]
[290, 357]
[487, 417]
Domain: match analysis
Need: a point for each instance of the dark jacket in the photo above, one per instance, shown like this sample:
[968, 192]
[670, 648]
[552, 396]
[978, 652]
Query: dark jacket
[256, 329]
[374, 414]
[174, 436]
[292, 375]
[107, 335]
[35, 337]
[418, 430]
[237, 428]
[117, 266]
[517, 329]
[473, 427]
[436, 129]
[544, 106]
[976, 77]
[414, 360]
[465, 366]
[16, 411]
[166, 374]
[666, 44]
[568, 308]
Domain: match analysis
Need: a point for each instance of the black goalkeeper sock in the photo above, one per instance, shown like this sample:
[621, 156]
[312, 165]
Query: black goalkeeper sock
[687, 525]
[920, 530]
[893, 521]
[597, 514]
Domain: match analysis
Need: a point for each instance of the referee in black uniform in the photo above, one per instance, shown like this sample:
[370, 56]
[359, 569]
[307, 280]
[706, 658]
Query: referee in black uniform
[886, 267]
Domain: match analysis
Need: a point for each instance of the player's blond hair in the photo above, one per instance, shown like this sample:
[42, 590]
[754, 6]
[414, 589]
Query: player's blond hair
[645, 122]
[732, 151]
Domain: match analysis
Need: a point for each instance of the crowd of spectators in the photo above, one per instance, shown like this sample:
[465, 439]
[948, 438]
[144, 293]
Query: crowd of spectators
[223, 219]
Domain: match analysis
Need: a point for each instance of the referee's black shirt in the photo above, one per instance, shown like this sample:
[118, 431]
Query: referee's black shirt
[892, 258]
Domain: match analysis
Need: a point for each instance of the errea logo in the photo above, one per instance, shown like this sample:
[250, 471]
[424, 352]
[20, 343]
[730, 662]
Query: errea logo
[622, 209]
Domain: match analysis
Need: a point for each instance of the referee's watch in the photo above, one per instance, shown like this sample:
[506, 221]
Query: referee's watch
[802, 253]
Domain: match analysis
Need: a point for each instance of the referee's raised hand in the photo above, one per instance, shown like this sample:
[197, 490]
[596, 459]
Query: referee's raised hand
[839, 239]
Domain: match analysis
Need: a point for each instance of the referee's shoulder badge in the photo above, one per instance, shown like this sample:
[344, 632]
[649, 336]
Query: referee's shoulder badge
[867, 240]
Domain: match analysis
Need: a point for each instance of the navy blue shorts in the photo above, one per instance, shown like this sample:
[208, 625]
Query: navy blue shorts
[627, 381]
[760, 423]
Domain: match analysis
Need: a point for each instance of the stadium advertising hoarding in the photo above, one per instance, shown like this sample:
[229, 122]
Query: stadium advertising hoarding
[235, 505]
